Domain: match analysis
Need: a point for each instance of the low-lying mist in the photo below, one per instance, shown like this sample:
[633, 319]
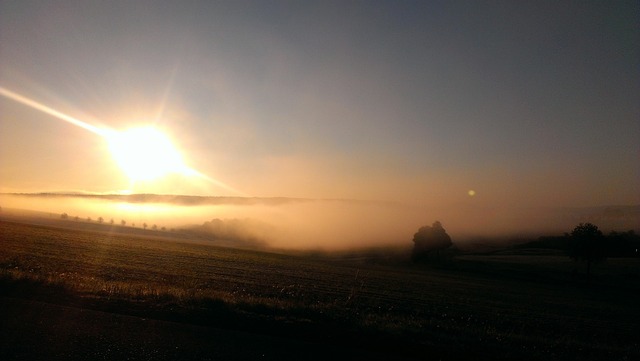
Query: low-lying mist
[320, 224]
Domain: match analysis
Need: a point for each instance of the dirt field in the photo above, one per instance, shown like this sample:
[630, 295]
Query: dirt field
[73, 294]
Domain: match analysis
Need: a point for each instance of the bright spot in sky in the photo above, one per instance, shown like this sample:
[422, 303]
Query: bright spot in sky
[145, 154]
[471, 193]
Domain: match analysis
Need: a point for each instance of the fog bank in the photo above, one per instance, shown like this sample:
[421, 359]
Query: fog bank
[322, 224]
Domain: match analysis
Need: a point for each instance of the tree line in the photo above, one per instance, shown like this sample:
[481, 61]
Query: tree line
[123, 222]
[585, 243]
[614, 244]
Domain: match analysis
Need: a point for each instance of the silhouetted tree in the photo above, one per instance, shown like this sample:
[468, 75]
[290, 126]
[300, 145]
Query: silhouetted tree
[155, 227]
[111, 221]
[123, 222]
[100, 219]
[144, 225]
[76, 218]
[587, 244]
[64, 216]
[88, 219]
[430, 239]
[163, 229]
[133, 225]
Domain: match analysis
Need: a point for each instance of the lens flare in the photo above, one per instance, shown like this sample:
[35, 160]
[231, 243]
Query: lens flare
[142, 153]
[45, 109]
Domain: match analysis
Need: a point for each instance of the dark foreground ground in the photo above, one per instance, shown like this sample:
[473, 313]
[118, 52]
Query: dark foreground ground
[87, 295]
[35, 330]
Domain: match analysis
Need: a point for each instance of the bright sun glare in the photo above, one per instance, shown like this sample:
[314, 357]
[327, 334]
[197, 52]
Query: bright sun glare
[145, 154]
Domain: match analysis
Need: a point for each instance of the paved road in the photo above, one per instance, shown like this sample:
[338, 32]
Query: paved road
[31, 330]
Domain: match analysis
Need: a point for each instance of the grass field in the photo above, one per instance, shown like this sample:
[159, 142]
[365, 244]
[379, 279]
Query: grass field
[523, 304]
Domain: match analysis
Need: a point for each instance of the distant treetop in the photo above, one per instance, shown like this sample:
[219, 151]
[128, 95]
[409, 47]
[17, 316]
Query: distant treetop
[587, 244]
[430, 239]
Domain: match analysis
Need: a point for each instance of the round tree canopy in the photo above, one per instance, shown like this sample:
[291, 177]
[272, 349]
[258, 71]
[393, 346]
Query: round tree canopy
[431, 238]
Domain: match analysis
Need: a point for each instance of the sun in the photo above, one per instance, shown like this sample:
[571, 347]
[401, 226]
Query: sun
[145, 153]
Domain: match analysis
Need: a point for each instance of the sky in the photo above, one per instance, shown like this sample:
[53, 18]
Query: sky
[527, 104]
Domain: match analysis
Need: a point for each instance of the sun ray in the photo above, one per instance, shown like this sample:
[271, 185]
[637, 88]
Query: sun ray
[215, 182]
[45, 109]
[165, 94]
[143, 153]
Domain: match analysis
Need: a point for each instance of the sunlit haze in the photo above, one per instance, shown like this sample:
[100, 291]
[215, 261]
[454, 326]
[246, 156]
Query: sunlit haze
[382, 116]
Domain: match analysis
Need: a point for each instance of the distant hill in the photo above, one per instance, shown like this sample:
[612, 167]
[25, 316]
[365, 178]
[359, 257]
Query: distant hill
[185, 200]
[226, 233]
